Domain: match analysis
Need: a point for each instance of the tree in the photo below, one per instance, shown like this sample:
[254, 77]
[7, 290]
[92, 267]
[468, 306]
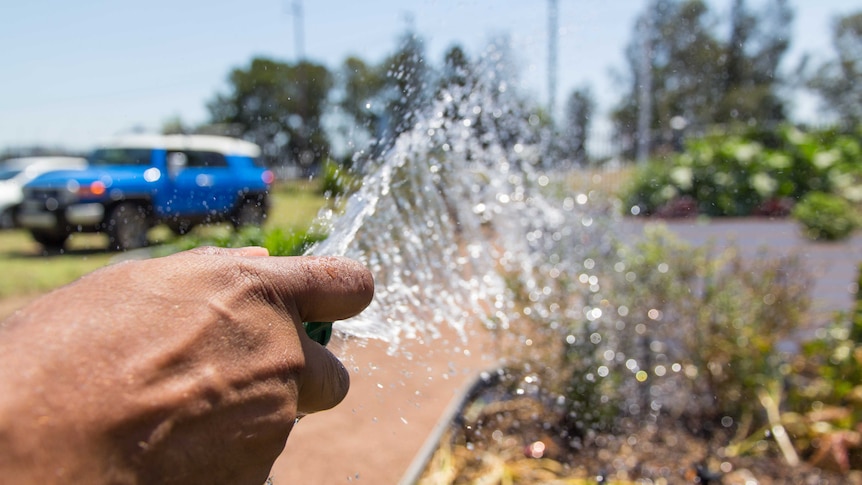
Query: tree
[700, 76]
[576, 129]
[515, 119]
[407, 84]
[362, 98]
[675, 41]
[175, 126]
[839, 81]
[754, 50]
[456, 82]
[279, 107]
[387, 98]
[457, 69]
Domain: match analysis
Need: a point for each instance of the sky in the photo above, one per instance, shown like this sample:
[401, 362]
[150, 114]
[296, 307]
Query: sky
[76, 73]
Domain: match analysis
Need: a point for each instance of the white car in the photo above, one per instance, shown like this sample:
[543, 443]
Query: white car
[16, 172]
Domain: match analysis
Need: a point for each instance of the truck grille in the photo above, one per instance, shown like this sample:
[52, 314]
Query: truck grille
[38, 197]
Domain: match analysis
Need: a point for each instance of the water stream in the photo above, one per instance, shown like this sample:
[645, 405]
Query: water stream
[462, 230]
[454, 217]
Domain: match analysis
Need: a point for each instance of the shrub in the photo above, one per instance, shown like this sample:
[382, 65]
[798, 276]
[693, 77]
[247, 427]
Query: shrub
[753, 173]
[276, 241]
[335, 179]
[826, 216]
[694, 331]
[726, 322]
[823, 407]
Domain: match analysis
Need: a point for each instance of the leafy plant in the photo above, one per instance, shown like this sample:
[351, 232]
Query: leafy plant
[701, 326]
[688, 331]
[277, 241]
[826, 216]
[752, 173]
[335, 179]
[680, 334]
[822, 408]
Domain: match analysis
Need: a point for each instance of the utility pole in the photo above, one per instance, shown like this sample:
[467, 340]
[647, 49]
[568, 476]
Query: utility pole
[298, 30]
[553, 34]
[645, 85]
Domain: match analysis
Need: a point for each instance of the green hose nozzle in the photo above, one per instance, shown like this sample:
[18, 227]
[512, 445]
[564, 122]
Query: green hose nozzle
[320, 332]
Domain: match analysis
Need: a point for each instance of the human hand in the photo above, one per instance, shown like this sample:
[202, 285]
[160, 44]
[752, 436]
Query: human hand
[189, 368]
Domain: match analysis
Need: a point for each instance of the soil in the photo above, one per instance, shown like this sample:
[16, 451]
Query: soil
[516, 439]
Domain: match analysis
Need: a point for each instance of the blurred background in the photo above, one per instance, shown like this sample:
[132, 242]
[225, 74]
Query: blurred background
[744, 109]
[312, 80]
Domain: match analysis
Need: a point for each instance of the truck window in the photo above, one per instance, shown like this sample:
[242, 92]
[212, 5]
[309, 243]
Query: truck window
[6, 174]
[205, 159]
[200, 159]
[120, 156]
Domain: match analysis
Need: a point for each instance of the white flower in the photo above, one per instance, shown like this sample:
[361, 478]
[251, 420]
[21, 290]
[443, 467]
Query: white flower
[826, 159]
[682, 177]
[763, 184]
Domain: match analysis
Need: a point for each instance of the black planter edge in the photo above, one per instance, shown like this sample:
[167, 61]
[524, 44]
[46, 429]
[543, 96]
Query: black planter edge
[448, 419]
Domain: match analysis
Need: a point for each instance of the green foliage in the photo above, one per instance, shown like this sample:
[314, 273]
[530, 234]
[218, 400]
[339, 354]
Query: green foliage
[856, 322]
[754, 173]
[697, 323]
[828, 371]
[826, 216]
[697, 71]
[703, 335]
[824, 389]
[280, 243]
[839, 81]
[691, 331]
[579, 110]
[277, 241]
[384, 99]
[335, 179]
[279, 106]
[364, 86]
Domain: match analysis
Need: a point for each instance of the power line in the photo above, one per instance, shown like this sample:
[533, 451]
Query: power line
[645, 27]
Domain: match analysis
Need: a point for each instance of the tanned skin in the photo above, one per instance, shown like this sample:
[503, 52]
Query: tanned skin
[186, 369]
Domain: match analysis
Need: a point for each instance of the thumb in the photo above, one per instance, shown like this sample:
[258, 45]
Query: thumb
[328, 288]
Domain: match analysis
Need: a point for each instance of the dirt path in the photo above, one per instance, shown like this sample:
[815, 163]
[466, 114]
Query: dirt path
[395, 402]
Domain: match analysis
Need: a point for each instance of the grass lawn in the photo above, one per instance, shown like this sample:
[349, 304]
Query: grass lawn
[27, 272]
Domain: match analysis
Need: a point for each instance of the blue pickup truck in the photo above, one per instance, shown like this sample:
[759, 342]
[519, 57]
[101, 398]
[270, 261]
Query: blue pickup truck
[133, 183]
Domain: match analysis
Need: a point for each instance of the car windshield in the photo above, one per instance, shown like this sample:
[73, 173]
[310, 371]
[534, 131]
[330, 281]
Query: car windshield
[120, 156]
[8, 173]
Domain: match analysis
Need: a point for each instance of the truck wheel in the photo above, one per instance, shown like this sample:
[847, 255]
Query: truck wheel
[180, 226]
[7, 219]
[53, 242]
[251, 212]
[127, 226]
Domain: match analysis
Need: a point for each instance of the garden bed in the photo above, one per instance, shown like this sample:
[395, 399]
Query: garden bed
[492, 437]
[696, 392]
